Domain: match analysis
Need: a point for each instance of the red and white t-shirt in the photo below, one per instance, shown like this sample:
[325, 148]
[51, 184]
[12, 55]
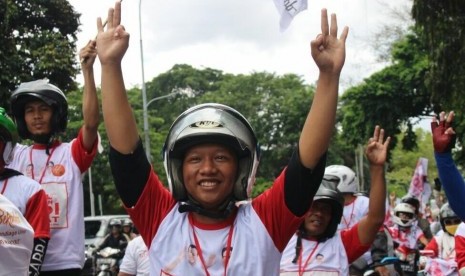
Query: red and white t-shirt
[16, 240]
[443, 246]
[60, 174]
[27, 195]
[255, 235]
[460, 245]
[328, 258]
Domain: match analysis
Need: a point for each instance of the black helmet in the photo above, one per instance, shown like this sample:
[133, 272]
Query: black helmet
[215, 123]
[412, 200]
[9, 135]
[46, 92]
[328, 192]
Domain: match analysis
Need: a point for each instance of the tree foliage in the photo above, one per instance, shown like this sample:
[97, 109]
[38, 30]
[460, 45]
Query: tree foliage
[403, 162]
[38, 41]
[390, 97]
[443, 25]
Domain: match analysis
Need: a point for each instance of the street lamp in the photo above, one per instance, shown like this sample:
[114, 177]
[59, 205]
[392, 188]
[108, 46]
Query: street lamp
[144, 92]
[146, 127]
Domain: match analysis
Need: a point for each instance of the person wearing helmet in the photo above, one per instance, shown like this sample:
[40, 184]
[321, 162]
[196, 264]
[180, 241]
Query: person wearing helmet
[40, 110]
[318, 235]
[443, 244]
[406, 234]
[420, 221]
[127, 229]
[211, 156]
[26, 195]
[355, 207]
[115, 239]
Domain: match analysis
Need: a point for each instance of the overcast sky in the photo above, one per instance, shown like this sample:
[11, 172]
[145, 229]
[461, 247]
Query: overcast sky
[237, 36]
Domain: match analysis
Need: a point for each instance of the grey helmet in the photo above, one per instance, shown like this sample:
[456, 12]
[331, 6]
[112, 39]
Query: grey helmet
[214, 123]
[348, 182]
[446, 212]
[46, 92]
[330, 193]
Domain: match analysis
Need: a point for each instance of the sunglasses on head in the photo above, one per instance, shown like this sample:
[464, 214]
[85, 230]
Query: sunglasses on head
[452, 221]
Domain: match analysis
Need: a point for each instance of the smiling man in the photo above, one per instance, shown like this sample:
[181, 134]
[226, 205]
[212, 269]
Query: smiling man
[211, 155]
[318, 247]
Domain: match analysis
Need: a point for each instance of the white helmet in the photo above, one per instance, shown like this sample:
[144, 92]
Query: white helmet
[348, 181]
[214, 123]
[406, 209]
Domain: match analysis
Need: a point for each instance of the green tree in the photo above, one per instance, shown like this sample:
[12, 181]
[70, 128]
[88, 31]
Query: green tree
[442, 23]
[403, 162]
[38, 41]
[390, 97]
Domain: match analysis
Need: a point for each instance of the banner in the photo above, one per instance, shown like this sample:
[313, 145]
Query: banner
[288, 9]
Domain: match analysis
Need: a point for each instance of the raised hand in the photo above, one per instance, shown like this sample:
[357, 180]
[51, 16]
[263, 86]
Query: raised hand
[443, 133]
[113, 42]
[376, 150]
[87, 55]
[328, 51]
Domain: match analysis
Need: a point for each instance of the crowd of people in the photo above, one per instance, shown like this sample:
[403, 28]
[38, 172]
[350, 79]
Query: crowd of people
[312, 221]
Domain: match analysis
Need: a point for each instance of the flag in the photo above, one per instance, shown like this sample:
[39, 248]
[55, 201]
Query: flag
[419, 187]
[288, 9]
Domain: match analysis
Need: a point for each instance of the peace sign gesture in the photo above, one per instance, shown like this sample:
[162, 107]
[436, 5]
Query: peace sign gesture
[376, 150]
[113, 42]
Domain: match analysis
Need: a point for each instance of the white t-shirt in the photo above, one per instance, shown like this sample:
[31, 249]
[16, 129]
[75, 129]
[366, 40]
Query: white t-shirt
[136, 258]
[354, 212]
[16, 240]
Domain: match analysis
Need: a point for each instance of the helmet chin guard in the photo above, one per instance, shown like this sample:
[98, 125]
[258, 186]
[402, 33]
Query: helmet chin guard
[212, 123]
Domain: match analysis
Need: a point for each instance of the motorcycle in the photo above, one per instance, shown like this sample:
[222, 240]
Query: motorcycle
[107, 261]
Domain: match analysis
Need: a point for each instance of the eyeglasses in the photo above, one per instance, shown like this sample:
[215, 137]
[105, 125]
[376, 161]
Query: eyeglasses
[452, 221]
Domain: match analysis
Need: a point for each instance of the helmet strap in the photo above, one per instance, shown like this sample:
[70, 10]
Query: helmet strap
[44, 139]
[224, 210]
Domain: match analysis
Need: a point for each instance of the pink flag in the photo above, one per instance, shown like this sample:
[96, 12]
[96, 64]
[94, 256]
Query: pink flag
[417, 185]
